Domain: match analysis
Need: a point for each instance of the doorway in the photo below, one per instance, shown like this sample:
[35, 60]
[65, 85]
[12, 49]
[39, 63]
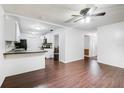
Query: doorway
[56, 47]
[90, 46]
[86, 46]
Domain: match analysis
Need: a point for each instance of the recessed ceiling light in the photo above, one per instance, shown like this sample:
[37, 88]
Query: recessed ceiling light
[34, 33]
[38, 27]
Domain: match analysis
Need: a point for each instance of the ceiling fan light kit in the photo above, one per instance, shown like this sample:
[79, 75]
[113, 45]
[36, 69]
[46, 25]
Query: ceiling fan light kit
[86, 20]
[82, 21]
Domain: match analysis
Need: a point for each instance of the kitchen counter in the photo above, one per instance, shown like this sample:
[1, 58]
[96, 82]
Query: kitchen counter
[22, 61]
[24, 52]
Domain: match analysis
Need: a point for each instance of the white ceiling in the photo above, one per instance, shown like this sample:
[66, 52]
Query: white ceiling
[58, 13]
[33, 27]
[36, 27]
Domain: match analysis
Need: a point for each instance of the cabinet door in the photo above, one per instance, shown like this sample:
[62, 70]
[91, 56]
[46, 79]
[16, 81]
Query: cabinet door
[17, 32]
[10, 30]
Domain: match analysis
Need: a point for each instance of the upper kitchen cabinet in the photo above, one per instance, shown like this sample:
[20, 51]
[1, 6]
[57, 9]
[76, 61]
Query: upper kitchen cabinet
[12, 31]
[17, 32]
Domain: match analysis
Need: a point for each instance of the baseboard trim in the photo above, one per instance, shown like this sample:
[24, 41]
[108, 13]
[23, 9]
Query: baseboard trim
[111, 65]
[1, 81]
[72, 61]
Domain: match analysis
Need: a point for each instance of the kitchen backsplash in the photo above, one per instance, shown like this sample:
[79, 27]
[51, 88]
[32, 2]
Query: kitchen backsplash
[9, 45]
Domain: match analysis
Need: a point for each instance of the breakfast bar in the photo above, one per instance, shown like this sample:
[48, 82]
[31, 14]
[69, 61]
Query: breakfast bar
[18, 62]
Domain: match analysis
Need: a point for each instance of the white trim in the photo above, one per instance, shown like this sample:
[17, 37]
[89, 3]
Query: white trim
[69, 61]
[2, 80]
[111, 65]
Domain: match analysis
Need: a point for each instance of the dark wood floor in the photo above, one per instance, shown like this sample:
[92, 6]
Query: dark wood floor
[77, 74]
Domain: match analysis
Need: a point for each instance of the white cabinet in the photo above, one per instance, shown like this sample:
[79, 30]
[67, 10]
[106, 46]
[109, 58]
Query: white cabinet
[17, 32]
[49, 53]
[12, 31]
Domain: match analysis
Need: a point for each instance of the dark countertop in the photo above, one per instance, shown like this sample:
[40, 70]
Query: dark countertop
[24, 52]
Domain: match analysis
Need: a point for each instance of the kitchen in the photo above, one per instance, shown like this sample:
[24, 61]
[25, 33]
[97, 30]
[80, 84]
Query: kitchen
[28, 42]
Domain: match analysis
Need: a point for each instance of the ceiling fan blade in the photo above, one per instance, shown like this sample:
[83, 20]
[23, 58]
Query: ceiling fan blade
[78, 20]
[70, 20]
[77, 15]
[92, 10]
[84, 11]
[99, 14]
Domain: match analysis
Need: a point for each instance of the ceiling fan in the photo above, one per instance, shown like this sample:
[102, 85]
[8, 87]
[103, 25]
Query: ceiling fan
[85, 14]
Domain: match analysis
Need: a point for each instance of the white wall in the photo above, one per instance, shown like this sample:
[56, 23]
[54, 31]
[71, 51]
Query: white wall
[2, 47]
[73, 44]
[93, 44]
[61, 45]
[74, 48]
[111, 44]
